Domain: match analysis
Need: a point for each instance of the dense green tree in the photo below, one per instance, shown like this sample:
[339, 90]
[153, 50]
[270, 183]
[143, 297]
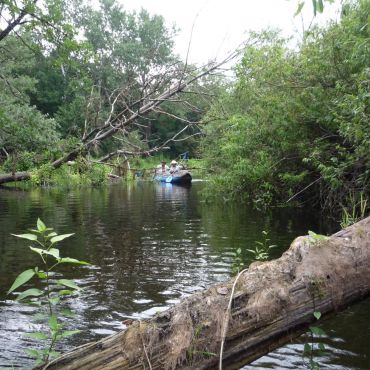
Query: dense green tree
[22, 126]
[297, 121]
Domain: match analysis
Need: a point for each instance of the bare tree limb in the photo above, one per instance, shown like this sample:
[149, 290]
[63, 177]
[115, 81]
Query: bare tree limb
[14, 23]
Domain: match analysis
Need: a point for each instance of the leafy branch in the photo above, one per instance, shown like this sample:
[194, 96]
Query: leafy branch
[46, 240]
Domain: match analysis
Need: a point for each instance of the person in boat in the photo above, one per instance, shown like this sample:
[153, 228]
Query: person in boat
[174, 167]
[163, 168]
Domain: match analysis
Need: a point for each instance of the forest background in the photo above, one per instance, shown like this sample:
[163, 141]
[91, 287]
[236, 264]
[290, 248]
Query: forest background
[104, 84]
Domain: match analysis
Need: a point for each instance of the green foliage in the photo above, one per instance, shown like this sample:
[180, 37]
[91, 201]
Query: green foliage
[312, 349]
[49, 297]
[42, 175]
[261, 251]
[21, 161]
[55, 85]
[317, 6]
[238, 263]
[295, 123]
[317, 238]
[77, 173]
[22, 127]
[355, 211]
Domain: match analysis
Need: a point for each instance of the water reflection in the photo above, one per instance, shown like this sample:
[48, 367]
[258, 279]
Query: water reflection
[150, 245]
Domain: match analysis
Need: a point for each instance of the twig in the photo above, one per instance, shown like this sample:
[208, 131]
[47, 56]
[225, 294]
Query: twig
[227, 317]
[313, 182]
[145, 351]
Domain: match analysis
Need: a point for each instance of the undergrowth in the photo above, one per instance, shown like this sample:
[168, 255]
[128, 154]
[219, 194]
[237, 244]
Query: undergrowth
[78, 173]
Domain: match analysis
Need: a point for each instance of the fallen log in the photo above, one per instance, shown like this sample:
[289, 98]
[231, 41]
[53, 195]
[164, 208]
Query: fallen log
[272, 302]
[12, 177]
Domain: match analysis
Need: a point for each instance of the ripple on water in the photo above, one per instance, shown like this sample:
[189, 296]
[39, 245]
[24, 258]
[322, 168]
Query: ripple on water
[150, 246]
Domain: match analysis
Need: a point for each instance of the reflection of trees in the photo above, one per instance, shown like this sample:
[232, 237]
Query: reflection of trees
[147, 241]
[234, 225]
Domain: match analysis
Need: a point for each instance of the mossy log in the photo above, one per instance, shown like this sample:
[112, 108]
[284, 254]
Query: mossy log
[272, 302]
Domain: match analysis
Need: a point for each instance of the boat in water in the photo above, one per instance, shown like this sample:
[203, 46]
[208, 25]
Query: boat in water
[179, 178]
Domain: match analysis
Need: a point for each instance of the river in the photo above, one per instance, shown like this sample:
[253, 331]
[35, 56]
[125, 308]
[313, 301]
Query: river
[150, 245]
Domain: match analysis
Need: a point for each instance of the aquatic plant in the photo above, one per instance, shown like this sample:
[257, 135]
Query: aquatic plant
[49, 297]
[310, 349]
[356, 210]
[261, 251]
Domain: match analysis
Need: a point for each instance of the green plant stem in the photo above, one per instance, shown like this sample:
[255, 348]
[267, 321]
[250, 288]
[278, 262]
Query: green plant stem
[52, 344]
[48, 288]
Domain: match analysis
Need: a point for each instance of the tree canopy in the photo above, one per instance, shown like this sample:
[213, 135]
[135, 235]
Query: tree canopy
[103, 81]
[296, 122]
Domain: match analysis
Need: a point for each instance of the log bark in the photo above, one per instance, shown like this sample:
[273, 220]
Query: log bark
[12, 177]
[272, 302]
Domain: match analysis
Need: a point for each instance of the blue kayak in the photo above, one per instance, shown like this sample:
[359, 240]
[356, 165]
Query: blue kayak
[182, 177]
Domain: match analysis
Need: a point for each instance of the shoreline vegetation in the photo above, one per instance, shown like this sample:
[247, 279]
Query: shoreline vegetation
[90, 95]
[291, 126]
[88, 172]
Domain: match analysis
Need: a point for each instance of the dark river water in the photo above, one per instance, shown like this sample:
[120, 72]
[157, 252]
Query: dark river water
[151, 245]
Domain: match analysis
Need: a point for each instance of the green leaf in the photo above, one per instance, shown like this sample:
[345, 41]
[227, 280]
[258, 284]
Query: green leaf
[317, 315]
[299, 8]
[68, 333]
[37, 335]
[68, 283]
[314, 4]
[307, 348]
[317, 237]
[33, 352]
[40, 225]
[53, 323]
[21, 279]
[37, 250]
[53, 354]
[316, 330]
[72, 260]
[52, 234]
[67, 312]
[34, 231]
[59, 238]
[322, 346]
[53, 252]
[320, 6]
[35, 303]
[26, 236]
[41, 275]
[30, 293]
[65, 292]
[39, 316]
[54, 301]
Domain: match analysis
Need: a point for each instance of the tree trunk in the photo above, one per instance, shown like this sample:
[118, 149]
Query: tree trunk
[12, 177]
[272, 302]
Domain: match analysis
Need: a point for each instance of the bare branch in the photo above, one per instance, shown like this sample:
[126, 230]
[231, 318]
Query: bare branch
[16, 22]
[174, 116]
